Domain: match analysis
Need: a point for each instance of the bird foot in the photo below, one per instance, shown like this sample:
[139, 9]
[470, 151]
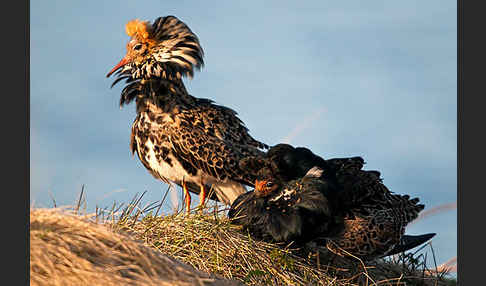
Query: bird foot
[202, 197]
[187, 198]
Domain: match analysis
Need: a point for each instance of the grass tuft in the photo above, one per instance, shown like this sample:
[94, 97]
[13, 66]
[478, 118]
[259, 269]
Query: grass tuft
[69, 249]
[206, 240]
[134, 245]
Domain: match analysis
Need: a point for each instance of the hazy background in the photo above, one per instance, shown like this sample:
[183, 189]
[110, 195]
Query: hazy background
[375, 79]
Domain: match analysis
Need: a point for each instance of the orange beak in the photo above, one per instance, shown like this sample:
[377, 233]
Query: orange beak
[123, 62]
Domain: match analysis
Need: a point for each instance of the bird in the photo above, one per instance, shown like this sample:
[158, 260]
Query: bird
[286, 211]
[179, 138]
[335, 202]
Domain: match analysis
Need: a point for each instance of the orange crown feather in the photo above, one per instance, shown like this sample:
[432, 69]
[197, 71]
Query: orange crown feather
[139, 29]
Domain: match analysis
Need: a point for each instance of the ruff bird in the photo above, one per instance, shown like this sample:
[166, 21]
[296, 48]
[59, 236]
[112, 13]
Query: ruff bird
[335, 203]
[179, 138]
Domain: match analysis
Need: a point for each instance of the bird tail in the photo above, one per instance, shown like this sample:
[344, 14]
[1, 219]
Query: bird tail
[408, 242]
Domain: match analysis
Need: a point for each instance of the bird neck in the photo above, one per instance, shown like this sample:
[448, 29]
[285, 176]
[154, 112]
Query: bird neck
[163, 94]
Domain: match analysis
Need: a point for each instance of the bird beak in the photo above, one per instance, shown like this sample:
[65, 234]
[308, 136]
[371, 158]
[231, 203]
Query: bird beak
[123, 62]
[260, 188]
[259, 185]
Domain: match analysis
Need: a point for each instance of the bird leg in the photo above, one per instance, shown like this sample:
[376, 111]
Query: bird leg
[187, 197]
[202, 195]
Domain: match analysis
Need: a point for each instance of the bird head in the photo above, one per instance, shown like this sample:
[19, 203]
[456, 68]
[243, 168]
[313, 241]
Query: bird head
[268, 177]
[166, 49]
[267, 182]
[265, 187]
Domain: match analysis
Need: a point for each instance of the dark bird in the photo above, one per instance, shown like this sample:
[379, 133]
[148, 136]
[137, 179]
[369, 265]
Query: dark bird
[179, 138]
[286, 211]
[334, 202]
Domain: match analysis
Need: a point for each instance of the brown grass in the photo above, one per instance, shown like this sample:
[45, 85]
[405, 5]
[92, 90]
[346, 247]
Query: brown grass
[70, 250]
[209, 242]
[136, 246]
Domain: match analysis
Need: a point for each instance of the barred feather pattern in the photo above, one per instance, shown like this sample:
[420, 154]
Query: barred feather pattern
[373, 229]
[175, 54]
[346, 208]
[374, 218]
[176, 136]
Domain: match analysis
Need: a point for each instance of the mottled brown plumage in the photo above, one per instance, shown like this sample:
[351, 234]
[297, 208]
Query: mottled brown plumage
[376, 227]
[336, 203]
[180, 138]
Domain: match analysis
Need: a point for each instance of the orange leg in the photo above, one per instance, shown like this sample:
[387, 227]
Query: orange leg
[187, 197]
[202, 195]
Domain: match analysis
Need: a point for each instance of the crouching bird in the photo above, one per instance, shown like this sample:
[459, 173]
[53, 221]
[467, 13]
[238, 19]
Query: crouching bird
[303, 198]
[179, 138]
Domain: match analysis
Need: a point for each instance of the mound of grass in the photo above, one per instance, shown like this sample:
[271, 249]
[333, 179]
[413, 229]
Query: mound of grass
[67, 249]
[136, 246]
[206, 240]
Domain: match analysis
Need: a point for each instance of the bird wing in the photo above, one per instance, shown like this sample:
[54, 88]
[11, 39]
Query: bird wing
[212, 139]
[227, 123]
[356, 184]
[364, 189]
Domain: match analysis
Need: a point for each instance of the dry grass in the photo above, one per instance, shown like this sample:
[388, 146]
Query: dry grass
[66, 249]
[140, 247]
[208, 241]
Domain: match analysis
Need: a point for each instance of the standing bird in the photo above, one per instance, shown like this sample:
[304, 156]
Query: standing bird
[335, 202]
[179, 138]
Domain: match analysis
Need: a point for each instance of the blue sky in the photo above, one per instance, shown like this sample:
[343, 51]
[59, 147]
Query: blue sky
[375, 79]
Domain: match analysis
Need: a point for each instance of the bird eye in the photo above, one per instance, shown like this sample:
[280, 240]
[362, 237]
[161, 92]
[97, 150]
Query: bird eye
[137, 47]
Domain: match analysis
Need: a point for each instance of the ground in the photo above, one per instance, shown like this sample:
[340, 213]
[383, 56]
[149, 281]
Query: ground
[134, 246]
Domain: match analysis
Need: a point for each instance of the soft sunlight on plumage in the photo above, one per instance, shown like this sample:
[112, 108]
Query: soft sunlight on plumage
[333, 202]
[179, 138]
[139, 29]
